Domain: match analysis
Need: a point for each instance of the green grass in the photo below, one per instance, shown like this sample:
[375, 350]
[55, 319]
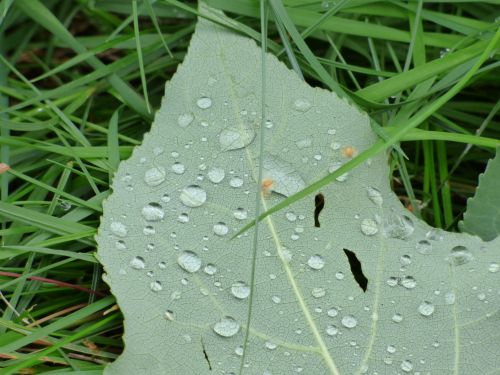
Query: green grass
[80, 82]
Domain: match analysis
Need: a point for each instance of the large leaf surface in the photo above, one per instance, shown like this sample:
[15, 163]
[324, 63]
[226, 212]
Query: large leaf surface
[432, 300]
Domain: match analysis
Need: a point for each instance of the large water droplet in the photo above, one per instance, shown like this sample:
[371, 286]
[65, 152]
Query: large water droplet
[369, 227]
[282, 176]
[406, 365]
[156, 286]
[155, 176]
[240, 213]
[426, 308]
[460, 255]
[398, 226]
[152, 212]
[185, 119]
[193, 196]
[240, 290]
[216, 174]
[234, 138]
[336, 166]
[118, 229]
[375, 195]
[226, 327]
[204, 102]
[349, 321]
[301, 105]
[316, 262]
[221, 229]
[137, 263]
[189, 261]
[423, 247]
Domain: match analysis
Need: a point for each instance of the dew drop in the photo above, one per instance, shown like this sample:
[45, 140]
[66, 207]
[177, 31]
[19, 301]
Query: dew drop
[406, 365]
[290, 216]
[460, 255]
[238, 350]
[118, 229]
[449, 298]
[398, 226]
[226, 327]
[349, 321]
[236, 182]
[221, 229]
[301, 105]
[391, 349]
[270, 345]
[183, 218]
[137, 263]
[423, 247]
[303, 143]
[121, 245]
[210, 269]
[397, 318]
[156, 286]
[189, 261]
[392, 281]
[193, 196]
[369, 227]
[426, 308]
[318, 292]
[234, 138]
[375, 196]
[276, 299]
[155, 176]
[240, 213]
[178, 168]
[339, 275]
[240, 290]
[204, 102]
[284, 178]
[493, 267]
[409, 282]
[334, 167]
[148, 230]
[332, 312]
[316, 262]
[185, 119]
[216, 174]
[169, 315]
[331, 330]
[152, 212]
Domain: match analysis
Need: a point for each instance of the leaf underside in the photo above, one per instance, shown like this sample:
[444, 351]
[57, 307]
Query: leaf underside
[432, 300]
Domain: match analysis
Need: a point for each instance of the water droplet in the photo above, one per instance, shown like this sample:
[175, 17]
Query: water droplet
[121, 245]
[290, 216]
[185, 119]
[236, 182]
[152, 212]
[405, 260]
[375, 195]
[435, 235]
[406, 366]
[240, 213]
[284, 178]
[349, 321]
[183, 218]
[238, 350]
[137, 263]
[423, 247]
[276, 299]
[426, 308]
[193, 196]
[226, 327]
[449, 298]
[189, 261]
[397, 318]
[169, 315]
[204, 102]
[301, 105]
[178, 168]
[460, 255]
[318, 292]
[269, 124]
[316, 262]
[216, 174]
[331, 330]
[155, 176]
[493, 267]
[270, 345]
[369, 227]
[334, 167]
[333, 312]
[210, 269]
[240, 290]
[339, 275]
[118, 229]
[234, 138]
[221, 229]
[148, 230]
[391, 349]
[398, 226]
[409, 282]
[155, 286]
[303, 143]
[392, 281]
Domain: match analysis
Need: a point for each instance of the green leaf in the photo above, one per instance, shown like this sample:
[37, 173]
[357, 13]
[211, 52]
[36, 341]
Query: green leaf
[184, 286]
[482, 216]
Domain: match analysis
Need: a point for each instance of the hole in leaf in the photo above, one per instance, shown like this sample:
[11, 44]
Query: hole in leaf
[356, 269]
[319, 203]
[206, 355]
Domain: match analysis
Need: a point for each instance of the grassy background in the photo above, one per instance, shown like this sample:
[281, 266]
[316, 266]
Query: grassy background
[80, 82]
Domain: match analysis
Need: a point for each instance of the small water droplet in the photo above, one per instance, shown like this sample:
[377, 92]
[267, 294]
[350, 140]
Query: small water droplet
[210, 269]
[204, 102]
[183, 218]
[318, 292]
[118, 229]
[240, 213]
[303, 143]
[423, 247]
[282, 176]
[152, 212]
[121, 245]
[334, 167]
[238, 350]
[226, 327]
[460, 255]
[397, 318]
[236, 182]
[391, 349]
[339, 275]
[406, 365]
[178, 168]
[426, 308]
[375, 196]
[316, 262]
[189, 261]
[169, 315]
[240, 290]
[276, 299]
[392, 281]
[269, 124]
[221, 229]
[185, 119]
[155, 286]
[155, 176]
[193, 196]
[137, 263]
[405, 260]
[290, 216]
[493, 267]
[408, 282]
[148, 230]
[302, 105]
[349, 321]
[449, 298]
[270, 345]
[332, 312]
[331, 330]
[216, 174]
[369, 227]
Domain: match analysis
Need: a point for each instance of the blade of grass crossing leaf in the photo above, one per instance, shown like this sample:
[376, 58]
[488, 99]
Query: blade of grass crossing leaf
[113, 145]
[288, 48]
[152, 15]
[139, 54]
[443, 178]
[380, 146]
